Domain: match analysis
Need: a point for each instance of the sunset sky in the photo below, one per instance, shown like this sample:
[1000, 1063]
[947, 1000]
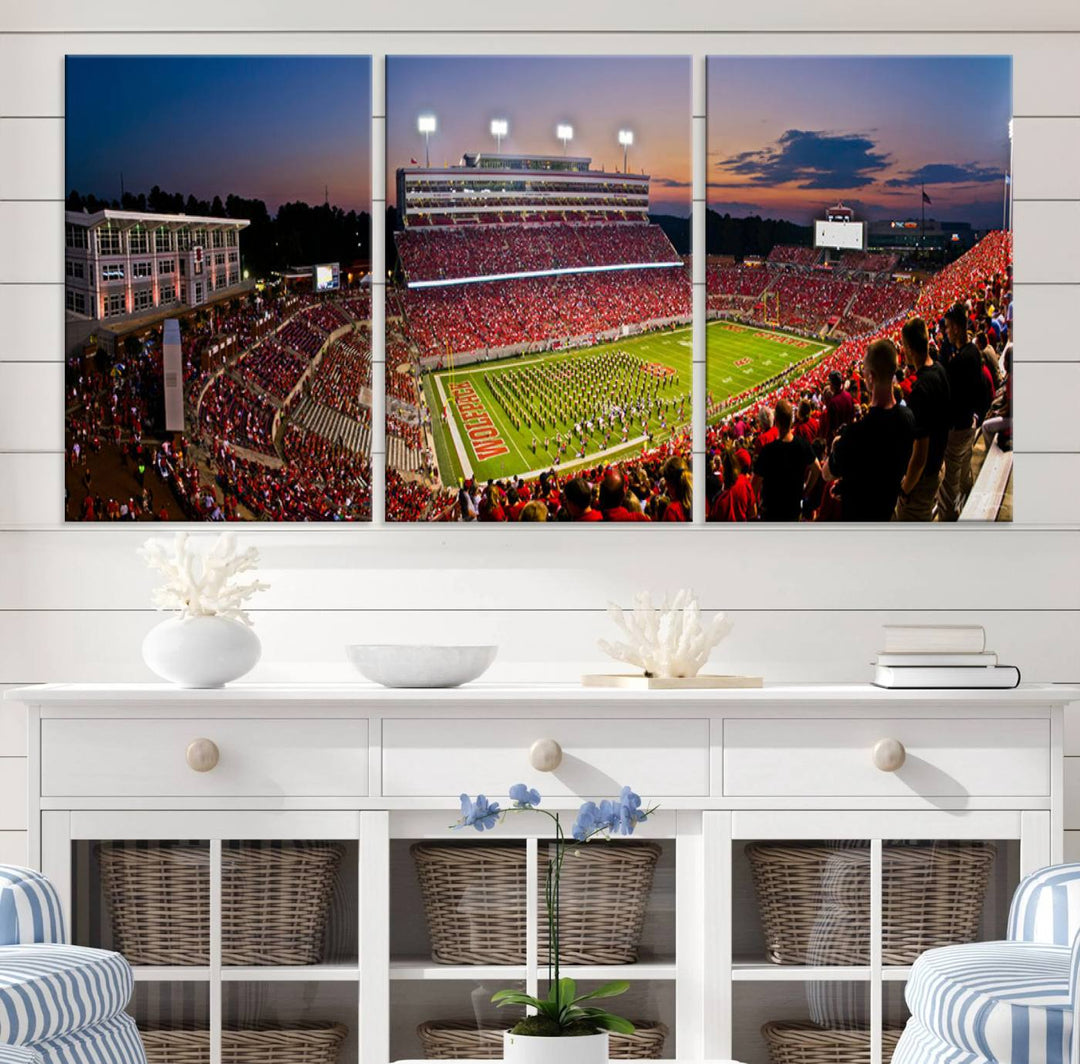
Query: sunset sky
[788, 136]
[597, 96]
[267, 127]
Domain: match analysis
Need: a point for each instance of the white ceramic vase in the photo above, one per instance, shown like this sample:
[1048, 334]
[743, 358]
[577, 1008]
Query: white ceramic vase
[529, 1049]
[201, 651]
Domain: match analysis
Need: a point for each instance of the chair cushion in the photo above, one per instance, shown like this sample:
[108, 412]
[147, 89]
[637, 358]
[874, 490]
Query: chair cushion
[47, 991]
[917, 1045]
[30, 909]
[115, 1041]
[1005, 1001]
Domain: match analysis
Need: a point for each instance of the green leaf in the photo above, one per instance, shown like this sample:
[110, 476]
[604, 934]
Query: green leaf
[608, 1021]
[515, 997]
[608, 990]
[567, 990]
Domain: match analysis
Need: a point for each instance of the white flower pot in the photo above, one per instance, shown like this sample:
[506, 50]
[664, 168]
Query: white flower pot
[201, 651]
[529, 1049]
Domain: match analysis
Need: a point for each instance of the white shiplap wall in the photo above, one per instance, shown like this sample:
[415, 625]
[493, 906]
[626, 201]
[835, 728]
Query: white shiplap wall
[808, 601]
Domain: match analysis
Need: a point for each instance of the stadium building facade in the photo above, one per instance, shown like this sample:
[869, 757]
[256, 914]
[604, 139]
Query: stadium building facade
[124, 265]
[496, 188]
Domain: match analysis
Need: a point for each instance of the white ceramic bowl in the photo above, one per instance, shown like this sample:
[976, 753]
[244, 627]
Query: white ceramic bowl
[420, 666]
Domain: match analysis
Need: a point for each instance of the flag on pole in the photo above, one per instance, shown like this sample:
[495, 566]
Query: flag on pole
[925, 197]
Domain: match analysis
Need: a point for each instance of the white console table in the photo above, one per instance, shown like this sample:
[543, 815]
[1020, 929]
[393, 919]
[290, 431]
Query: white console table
[379, 769]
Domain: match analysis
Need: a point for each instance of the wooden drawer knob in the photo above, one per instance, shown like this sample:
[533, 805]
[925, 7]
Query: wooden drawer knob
[889, 755]
[545, 755]
[202, 755]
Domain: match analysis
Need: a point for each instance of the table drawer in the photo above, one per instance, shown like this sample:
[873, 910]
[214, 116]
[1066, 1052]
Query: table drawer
[433, 758]
[254, 757]
[816, 757]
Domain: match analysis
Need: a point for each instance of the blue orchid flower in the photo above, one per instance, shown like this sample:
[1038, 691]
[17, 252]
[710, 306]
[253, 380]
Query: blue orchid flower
[587, 821]
[629, 813]
[480, 814]
[524, 797]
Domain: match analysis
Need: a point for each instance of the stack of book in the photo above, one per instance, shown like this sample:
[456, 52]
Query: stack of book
[940, 656]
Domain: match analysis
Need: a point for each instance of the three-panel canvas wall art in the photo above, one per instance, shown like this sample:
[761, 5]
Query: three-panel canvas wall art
[537, 305]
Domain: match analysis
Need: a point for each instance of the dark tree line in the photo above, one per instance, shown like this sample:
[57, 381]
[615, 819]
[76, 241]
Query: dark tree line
[740, 237]
[298, 235]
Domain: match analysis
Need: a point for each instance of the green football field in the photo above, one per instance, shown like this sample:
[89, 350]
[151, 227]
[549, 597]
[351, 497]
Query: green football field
[740, 356]
[484, 441]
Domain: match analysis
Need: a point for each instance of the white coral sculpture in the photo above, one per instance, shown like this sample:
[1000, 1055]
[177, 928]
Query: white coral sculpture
[667, 640]
[198, 585]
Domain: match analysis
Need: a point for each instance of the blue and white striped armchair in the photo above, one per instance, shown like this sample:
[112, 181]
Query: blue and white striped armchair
[59, 1004]
[1008, 1002]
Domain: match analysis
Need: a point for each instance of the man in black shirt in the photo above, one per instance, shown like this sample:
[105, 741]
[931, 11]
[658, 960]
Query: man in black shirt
[929, 403]
[782, 469]
[967, 400]
[869, 457]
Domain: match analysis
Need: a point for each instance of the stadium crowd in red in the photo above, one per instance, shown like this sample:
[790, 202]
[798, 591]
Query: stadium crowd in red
[266, 345]
[980, 282]
[541, 310]
[449, 252]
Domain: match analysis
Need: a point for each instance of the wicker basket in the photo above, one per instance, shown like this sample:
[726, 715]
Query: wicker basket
[807, 1043]
[302, 1044]
[814, 900]
[450, 1040]
[474, 902]
[274, 901]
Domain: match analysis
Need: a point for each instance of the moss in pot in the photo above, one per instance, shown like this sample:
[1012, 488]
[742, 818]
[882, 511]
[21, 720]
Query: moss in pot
[564, 1027]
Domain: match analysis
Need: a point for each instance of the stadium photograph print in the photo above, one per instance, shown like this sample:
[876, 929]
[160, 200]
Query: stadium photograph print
[217, 288]
[538, 359]
[859, 280]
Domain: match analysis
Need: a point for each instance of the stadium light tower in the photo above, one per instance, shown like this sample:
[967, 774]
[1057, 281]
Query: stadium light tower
[499, 128]
[565, 133]
[426, 124]
[626, 138]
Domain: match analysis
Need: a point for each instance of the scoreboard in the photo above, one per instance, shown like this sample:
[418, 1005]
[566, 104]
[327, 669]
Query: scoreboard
[847, 236]
[327, 277]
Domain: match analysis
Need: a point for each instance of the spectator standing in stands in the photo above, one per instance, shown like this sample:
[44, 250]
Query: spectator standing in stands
[840, 407]
[869, 457]
[577, 499]
[679, 482]
[929, 403]
[967, 396]
[613, 499]
[782, 469]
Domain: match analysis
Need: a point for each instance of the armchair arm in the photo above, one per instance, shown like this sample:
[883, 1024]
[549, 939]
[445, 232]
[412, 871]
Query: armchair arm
[1046, 906]
[30, 909]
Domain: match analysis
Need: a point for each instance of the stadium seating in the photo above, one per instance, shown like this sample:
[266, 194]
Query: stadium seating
[540, 310]
[455, 252]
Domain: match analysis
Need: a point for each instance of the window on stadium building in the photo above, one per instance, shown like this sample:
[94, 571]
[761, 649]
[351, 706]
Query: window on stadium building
[230, 238]
[75, 301]
[218, 237]
[78, 236]
[234, 256]
[143, 299]
[142, 269]
[219, 258]
[113, 272]
[166, 266]
[138, 241]
[167, 292]
[114, 305]
[183, 240]
[74, 269]
[108, 241]
[162, 239]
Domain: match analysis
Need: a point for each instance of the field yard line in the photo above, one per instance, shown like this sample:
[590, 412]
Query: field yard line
[451, 420]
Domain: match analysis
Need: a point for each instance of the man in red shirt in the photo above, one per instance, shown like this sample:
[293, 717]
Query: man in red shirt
[840, 407]
[737, 502]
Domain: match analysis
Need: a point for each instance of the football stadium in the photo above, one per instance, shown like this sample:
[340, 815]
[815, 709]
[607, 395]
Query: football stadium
[540, 326]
